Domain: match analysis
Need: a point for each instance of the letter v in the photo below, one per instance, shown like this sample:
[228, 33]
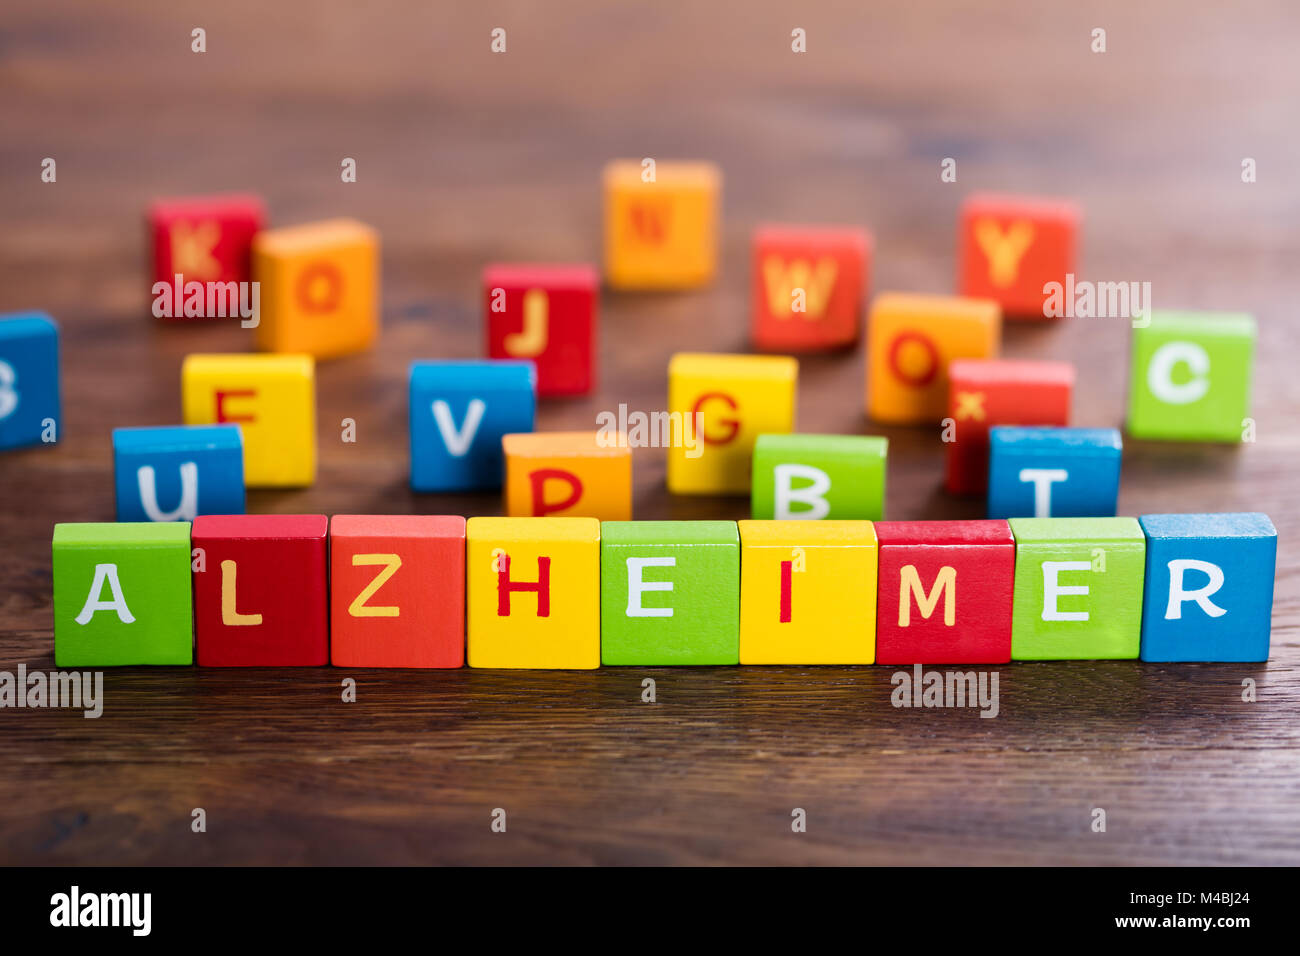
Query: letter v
[458, 440]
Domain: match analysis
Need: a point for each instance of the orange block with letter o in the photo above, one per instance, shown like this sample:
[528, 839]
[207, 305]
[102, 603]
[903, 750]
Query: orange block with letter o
[911, 339]
[319, 288]
[568, 474]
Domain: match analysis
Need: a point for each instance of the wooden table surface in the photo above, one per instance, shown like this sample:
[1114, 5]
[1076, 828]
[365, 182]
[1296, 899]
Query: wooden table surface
[465, 157]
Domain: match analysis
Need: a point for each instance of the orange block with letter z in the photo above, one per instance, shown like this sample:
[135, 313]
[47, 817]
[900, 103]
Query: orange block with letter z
[568, 474]
[910, 341]
[1013, 246]
[319, 288]
[809, 284]
[397, 591]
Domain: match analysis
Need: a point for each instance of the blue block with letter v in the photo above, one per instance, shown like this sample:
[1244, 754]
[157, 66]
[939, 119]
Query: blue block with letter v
[178, 472]
[1053, 472]
[458, 412]
[29, 380]
[1209, 587]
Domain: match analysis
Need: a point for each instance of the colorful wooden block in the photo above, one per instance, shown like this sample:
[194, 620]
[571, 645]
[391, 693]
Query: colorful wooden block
[176, 473]
[945, 592]
[819, 476]
[1209, 587]
[30, 411]
[808, 287]
[1053, 472]
[122, 594]
[661, 223]
[272, 398]
[911, 341]
[1079, 584]
[669, 593]
[533, 593]
[807, 592]
[397, 590]
[724, 402]
[202, 239]
[568, 474]
[1191, 377]
[459, 412]
[546, 315]
[987, 392]
[260, 594]
[319, 288]
[1012, 246]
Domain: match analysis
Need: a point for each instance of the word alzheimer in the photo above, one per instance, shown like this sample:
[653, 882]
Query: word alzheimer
[429, 591]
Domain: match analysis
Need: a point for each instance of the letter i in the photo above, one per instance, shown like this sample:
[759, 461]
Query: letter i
[787, 585]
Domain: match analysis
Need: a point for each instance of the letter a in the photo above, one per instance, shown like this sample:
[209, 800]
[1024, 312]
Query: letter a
[105, 572]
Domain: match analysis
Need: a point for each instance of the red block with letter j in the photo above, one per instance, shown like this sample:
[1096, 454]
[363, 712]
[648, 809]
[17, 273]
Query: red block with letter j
[546, 314]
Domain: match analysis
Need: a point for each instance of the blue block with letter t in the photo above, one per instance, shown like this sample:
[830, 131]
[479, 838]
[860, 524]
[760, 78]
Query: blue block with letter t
[459, 410]
[178, 472]
[29, 380]
[1209, 587]
[1053, 472]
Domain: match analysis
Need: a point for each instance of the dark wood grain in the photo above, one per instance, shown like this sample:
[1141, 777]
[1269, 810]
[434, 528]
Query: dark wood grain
[465, 157]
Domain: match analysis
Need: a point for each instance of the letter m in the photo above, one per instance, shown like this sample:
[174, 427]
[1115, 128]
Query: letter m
[910, 587]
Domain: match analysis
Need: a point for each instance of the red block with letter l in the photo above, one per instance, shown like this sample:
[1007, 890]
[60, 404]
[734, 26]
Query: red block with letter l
[944, 592]
[987, 392]
[547, 314]
[260, 595]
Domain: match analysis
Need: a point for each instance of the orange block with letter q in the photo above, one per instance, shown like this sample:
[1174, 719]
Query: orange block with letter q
[397, 591]
[568, 474]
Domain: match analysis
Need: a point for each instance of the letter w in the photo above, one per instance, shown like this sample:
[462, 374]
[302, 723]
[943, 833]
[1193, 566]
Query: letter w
[910, 586]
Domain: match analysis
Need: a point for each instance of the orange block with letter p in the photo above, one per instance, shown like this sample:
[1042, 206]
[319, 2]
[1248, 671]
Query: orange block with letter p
[1010, 247]
[911, 339]
[319, 288]
[568, 474]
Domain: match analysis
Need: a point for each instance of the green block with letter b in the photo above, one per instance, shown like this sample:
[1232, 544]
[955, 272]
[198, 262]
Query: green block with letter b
[835, 477]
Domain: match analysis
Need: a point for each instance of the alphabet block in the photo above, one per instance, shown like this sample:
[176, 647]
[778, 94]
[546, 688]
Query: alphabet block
[397, 590]
[121, 594]
[911, 341]
[30, 412]
[987, 392]
[568, 474]
[260, 595]
[1191, 377]
[176, 473]
[1053, 472]
[809, 286]
[1209, 587]
[661, 224]
[807, 592]
[669, 592]
[737, 398]
[273, 400]
[819, 476]
[547, 315]
[533, 593]
[945, 592]
[319, 288]
[459, 412]
[203, 239]
[1012, 246]
[1079, 585]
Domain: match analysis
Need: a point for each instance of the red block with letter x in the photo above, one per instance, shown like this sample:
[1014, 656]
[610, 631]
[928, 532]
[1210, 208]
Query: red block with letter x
[260, 596]
[1010, 247]
[545, 313]
[944, 592]
[204, 239]
[987, 392]
[809, 286]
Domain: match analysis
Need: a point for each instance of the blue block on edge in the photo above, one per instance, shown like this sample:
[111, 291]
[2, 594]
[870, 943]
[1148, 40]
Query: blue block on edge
[30, 411]
[178, 472]
[1219, 569]
[458, 413]
[1053, 472]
